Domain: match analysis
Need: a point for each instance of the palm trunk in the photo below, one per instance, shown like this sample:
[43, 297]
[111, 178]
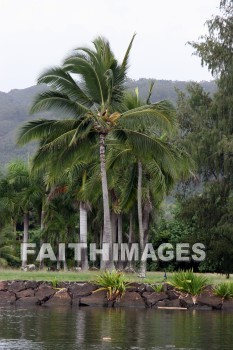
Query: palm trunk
[114, 226]
[107, 234]
[25, 232]
[142, 266]
[131, 239]
[83, 235]
[42, 227]
[120, 240]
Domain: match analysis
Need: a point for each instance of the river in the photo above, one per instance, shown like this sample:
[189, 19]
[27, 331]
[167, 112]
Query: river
[37, 328]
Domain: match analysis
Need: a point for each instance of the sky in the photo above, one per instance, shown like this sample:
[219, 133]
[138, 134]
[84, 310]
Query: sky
[38, 34]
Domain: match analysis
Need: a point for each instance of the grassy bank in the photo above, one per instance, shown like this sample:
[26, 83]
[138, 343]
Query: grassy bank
[152, 277]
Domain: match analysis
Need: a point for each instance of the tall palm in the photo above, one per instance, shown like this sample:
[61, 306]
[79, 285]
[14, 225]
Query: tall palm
[27, 189]
[156, 173]
[94, 103]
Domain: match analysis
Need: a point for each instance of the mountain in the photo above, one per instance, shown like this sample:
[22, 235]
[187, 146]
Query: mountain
[15, 106]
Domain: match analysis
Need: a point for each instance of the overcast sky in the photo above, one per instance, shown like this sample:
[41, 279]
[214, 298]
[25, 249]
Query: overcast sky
[37, 34]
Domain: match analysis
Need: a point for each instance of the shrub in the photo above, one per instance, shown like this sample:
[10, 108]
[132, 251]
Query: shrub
[188, 282]
[224, 290]
[157, 288]
[3, 263]
[112, 281]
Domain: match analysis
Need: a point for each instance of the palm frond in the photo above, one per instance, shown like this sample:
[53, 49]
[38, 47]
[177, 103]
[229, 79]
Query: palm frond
[62, 81]
[58, 101]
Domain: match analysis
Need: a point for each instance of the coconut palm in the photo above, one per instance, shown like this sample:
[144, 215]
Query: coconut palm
[27, 191]
[94, 103]
[153, 175]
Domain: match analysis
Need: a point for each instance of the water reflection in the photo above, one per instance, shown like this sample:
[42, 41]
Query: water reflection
[103, 328]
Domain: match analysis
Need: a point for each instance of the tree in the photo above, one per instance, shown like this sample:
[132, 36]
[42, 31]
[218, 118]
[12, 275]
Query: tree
[149, 175]
[95, 104]
[216, 47]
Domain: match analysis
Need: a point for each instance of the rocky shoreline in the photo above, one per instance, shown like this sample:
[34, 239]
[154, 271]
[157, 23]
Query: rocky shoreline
[140, 295]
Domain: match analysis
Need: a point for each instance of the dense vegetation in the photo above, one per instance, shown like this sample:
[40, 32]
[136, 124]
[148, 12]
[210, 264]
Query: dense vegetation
[101, 174]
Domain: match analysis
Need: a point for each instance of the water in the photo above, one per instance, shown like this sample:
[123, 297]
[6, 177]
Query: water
[102, 328]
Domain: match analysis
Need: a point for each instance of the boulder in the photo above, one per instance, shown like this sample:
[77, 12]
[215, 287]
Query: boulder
[167, 303]
[227, 304]
[63, 285]
[25, 293]
[172, 294]
[206, 298]
[152, 298]
[27, 301]
[3, 285]
[131, 299]
[31, 284]
[149, 288]
[44, 292]
[61, 297]
[136, 287]
[95, 299]
[16, 286]
[186, 301]
[81, 290]
[167, 286]
[7, 298]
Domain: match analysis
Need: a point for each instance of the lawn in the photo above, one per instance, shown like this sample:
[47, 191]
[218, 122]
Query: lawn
[152, 277]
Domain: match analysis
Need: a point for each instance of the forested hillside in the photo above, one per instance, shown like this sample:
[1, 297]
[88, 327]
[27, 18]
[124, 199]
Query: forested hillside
[15, 105]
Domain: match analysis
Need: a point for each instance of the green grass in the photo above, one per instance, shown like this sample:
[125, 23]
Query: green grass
[151, 277]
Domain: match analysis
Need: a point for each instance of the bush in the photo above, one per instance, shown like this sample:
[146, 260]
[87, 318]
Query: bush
[112, 281]
[157, 288]
[188, 282]
[3, 263]
[224, 290]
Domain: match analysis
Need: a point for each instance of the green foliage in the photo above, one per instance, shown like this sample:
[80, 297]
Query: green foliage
[113, 282]
[158, 288]
[54, 282]
[189, 282]
[224, 290]
[3, 262]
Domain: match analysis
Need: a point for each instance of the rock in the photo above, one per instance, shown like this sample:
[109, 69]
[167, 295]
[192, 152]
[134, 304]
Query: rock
[44, 292]
[166, 287]
[30, 267]
[63, 285]
[31, 284]
[80, 290]
[95, 299]
[61, 297]
[16, 286]
[168, 303]
[149, 288]
[206, 298]
[136, 287]
[186, 301]
[131, 299]
[172, 294]
[3, 285]
[203, 307]
[28, 301]
[7, 298]
[227, 304]
[152, 298]
[25, 293]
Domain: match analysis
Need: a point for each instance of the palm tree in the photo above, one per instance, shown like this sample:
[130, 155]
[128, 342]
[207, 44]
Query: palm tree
[94, 102]
[27, 191]
[160, 170]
